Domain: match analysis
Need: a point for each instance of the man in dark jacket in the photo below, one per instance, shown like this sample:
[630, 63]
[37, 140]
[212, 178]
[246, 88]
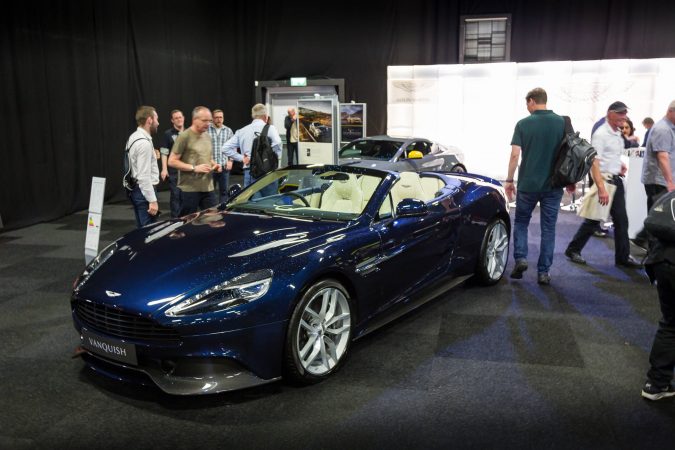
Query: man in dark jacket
[291, 147]
[660, 265]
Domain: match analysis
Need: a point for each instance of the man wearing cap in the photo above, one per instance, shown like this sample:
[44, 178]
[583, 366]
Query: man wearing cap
[608, 168]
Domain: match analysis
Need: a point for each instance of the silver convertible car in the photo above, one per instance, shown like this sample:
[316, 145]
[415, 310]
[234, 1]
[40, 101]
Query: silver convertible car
[402, 154]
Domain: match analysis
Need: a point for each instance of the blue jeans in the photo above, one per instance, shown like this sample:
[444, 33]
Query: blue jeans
[549, 203]
[268, 190]
[247, 177]
[222, 180]
[141, 206]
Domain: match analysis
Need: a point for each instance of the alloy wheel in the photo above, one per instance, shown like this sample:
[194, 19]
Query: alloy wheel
[323, 331]
[497, 250]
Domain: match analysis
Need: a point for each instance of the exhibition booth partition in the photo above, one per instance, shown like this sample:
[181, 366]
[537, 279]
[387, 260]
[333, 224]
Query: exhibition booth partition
[476, 106]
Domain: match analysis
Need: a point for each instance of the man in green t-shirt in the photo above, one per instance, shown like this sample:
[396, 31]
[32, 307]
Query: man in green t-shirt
[536, 138]
[192, 155]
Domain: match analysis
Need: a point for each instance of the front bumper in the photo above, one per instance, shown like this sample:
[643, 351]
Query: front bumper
[196, 364]
[201, 376]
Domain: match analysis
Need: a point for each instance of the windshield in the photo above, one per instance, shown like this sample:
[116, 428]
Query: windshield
[371, 149]
[317, 193]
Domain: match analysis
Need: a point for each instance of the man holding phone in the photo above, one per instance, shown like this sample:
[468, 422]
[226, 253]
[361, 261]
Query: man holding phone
[192, 156]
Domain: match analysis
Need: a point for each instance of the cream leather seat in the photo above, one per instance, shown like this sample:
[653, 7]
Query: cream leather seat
[408, 186]
[343, 196]
[431, 185]
[368, 184]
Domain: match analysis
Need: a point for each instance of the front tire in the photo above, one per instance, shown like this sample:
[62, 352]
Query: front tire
[494, 253]
[319, 333]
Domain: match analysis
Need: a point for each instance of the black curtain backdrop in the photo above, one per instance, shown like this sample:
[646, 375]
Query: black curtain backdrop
[74, 72]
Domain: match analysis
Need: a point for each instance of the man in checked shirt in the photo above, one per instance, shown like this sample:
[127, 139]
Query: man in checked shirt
[219, 135]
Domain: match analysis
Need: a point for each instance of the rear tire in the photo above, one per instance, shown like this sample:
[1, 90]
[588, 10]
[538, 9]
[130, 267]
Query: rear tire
[319, 333]
[494, 253]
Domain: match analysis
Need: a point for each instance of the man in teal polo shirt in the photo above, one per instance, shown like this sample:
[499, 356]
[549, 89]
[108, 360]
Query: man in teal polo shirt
[537, 138]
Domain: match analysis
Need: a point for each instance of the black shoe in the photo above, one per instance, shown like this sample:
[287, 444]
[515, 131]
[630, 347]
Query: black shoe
[631, 263]
[544, 278]
[656, 393]
[575, 257]
[521, 266]
[641, 242]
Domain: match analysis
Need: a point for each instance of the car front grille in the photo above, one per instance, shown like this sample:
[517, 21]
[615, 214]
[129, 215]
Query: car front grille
[120, 324]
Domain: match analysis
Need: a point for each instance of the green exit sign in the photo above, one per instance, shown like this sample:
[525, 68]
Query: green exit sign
[299, 81]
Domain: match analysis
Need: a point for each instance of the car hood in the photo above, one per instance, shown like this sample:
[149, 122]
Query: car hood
[157, 264]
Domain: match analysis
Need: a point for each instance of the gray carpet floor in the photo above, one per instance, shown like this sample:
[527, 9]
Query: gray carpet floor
[517, 365]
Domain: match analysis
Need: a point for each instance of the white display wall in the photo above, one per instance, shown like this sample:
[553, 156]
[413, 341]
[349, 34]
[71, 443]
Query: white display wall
[475, 106]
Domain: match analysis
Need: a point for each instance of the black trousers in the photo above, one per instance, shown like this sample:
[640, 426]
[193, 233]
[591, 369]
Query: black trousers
[662, 356]
[653, 191]
[620, 219]
[196, 201]
[292, 153]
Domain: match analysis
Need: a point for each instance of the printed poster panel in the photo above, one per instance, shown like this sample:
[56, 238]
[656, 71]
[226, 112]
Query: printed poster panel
[352, 121]
[316, 122]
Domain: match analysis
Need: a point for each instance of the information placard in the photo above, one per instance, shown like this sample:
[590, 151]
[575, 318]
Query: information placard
[353, 121]
[318, 130]
[94, 218]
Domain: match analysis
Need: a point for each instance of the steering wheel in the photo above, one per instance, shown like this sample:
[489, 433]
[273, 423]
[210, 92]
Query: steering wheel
[296, 195]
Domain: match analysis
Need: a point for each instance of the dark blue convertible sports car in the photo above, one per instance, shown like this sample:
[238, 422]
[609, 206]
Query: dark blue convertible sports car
[272, 285]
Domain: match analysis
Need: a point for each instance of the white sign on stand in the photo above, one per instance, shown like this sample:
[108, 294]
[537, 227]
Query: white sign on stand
[636, 197]
[94, 218]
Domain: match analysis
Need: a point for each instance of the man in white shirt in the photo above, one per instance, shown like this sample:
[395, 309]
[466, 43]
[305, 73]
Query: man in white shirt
[244, 137]
[143, 165]
[608, 142]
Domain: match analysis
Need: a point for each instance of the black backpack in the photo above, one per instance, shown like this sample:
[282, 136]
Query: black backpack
[263, 158]
[660, 221]
[573, 159]
[128, 181]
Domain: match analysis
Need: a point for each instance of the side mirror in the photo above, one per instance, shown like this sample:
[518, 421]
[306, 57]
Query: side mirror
[411, 207]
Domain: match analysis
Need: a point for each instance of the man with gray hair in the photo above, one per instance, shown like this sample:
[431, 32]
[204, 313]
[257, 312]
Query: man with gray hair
[243, 139]
[608, 168]
[658, 167]
[659, 164]
[192, 155]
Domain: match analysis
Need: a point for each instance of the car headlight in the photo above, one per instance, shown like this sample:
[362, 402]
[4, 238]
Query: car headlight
[95, 264]
[237, 291]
